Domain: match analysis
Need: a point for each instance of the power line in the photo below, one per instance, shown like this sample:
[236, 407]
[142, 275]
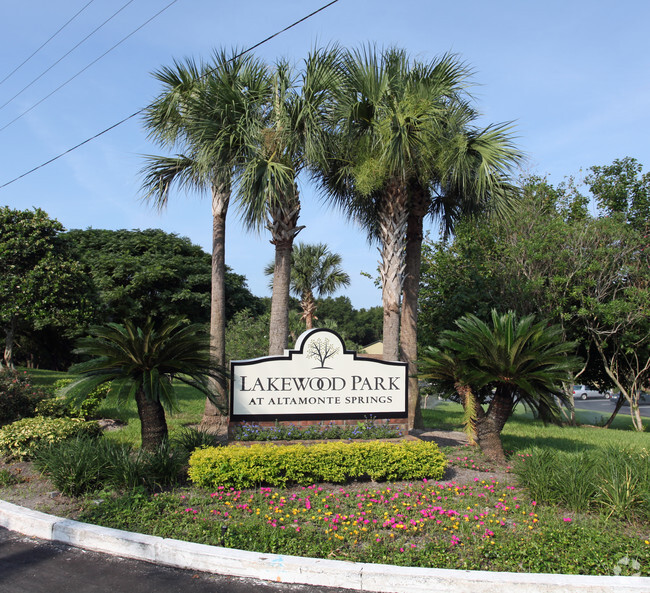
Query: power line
[88, 65]
[119, 123]
[44, 44]
[65, 55]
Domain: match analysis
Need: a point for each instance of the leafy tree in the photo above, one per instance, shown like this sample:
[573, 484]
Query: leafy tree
[151, 273]
[589, 275]
[492, 368]
[314, 269]
[247, 336]
[207, 111]
[612, 306]
[41, 282]
[622, 188]
[143, 363]
[358, 327]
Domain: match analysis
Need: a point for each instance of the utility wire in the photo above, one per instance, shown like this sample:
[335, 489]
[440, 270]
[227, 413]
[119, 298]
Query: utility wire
[119, 123]
[21, 91]
[44, 44]
[88, 66]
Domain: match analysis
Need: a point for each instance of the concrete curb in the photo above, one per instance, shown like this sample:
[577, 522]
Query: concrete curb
[292, 569]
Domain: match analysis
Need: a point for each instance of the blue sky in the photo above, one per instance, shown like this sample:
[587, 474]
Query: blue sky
[573, 77]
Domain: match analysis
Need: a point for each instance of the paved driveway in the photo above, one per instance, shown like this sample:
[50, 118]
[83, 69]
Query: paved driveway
[29, 565]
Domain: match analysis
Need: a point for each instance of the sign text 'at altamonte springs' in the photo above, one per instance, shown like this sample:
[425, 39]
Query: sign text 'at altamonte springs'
[318, 379]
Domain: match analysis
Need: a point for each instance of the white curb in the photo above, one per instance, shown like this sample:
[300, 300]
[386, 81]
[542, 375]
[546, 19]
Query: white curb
[379, 578]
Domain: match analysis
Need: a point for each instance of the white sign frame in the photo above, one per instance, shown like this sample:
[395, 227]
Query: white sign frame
[317, 380]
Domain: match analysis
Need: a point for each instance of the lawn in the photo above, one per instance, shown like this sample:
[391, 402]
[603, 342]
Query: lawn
[191, 404]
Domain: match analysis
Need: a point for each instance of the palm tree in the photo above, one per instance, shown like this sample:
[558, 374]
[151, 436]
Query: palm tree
[143, 363]
[409, 151]
[207, 111]
[268, 189]
[388, 111]
[314, 269]
[468, 175]
[494, 368]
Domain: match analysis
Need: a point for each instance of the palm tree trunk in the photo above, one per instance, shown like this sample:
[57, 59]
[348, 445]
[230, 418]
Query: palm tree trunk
[213, 421]
[489, 440]
[284, 228]
[279, 323]
[392, 229]
[308, 305]
[488, 429]
[409, 319]
[153, 425]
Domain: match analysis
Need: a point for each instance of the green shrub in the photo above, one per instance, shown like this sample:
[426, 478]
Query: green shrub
[76, 466]
[21, 439]
[612, 481]
[242, 467]
[18, 397]
[62, 407]
[84, 465]
[623, 488]
[163, 467]
[188, 439]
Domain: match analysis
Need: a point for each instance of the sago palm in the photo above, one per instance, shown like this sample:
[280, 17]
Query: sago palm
[143, 364]
[492, 368]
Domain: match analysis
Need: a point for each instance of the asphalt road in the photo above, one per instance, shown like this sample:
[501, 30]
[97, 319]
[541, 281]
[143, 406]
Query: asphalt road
[29, 565]
[606, 406]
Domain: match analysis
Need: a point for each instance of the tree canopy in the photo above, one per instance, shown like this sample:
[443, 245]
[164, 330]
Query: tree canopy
[42, 284]
[151, 273]
[588, 273]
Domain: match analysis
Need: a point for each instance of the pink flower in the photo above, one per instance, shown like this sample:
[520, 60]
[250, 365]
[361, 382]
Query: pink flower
[567, 520]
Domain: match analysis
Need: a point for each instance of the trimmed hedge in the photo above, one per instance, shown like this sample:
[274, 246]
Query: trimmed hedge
[243, 467]
[21, 439]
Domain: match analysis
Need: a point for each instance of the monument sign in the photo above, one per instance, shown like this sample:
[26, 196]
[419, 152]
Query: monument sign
[317, 380]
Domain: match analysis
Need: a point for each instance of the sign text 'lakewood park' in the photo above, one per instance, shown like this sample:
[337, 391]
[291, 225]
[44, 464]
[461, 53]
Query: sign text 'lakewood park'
[318, 379]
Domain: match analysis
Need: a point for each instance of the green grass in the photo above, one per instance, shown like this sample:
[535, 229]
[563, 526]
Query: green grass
[522, 431]
[191, 404]
[43, 377]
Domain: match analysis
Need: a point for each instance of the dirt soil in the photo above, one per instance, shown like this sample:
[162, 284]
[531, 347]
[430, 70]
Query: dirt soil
[34, 491]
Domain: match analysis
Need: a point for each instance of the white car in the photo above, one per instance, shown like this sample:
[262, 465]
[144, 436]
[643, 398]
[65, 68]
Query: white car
[587, 391]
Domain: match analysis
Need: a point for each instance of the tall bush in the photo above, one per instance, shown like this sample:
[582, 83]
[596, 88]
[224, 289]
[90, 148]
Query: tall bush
[18, 397]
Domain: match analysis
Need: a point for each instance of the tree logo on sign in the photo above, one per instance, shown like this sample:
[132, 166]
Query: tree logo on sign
[321, 349]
